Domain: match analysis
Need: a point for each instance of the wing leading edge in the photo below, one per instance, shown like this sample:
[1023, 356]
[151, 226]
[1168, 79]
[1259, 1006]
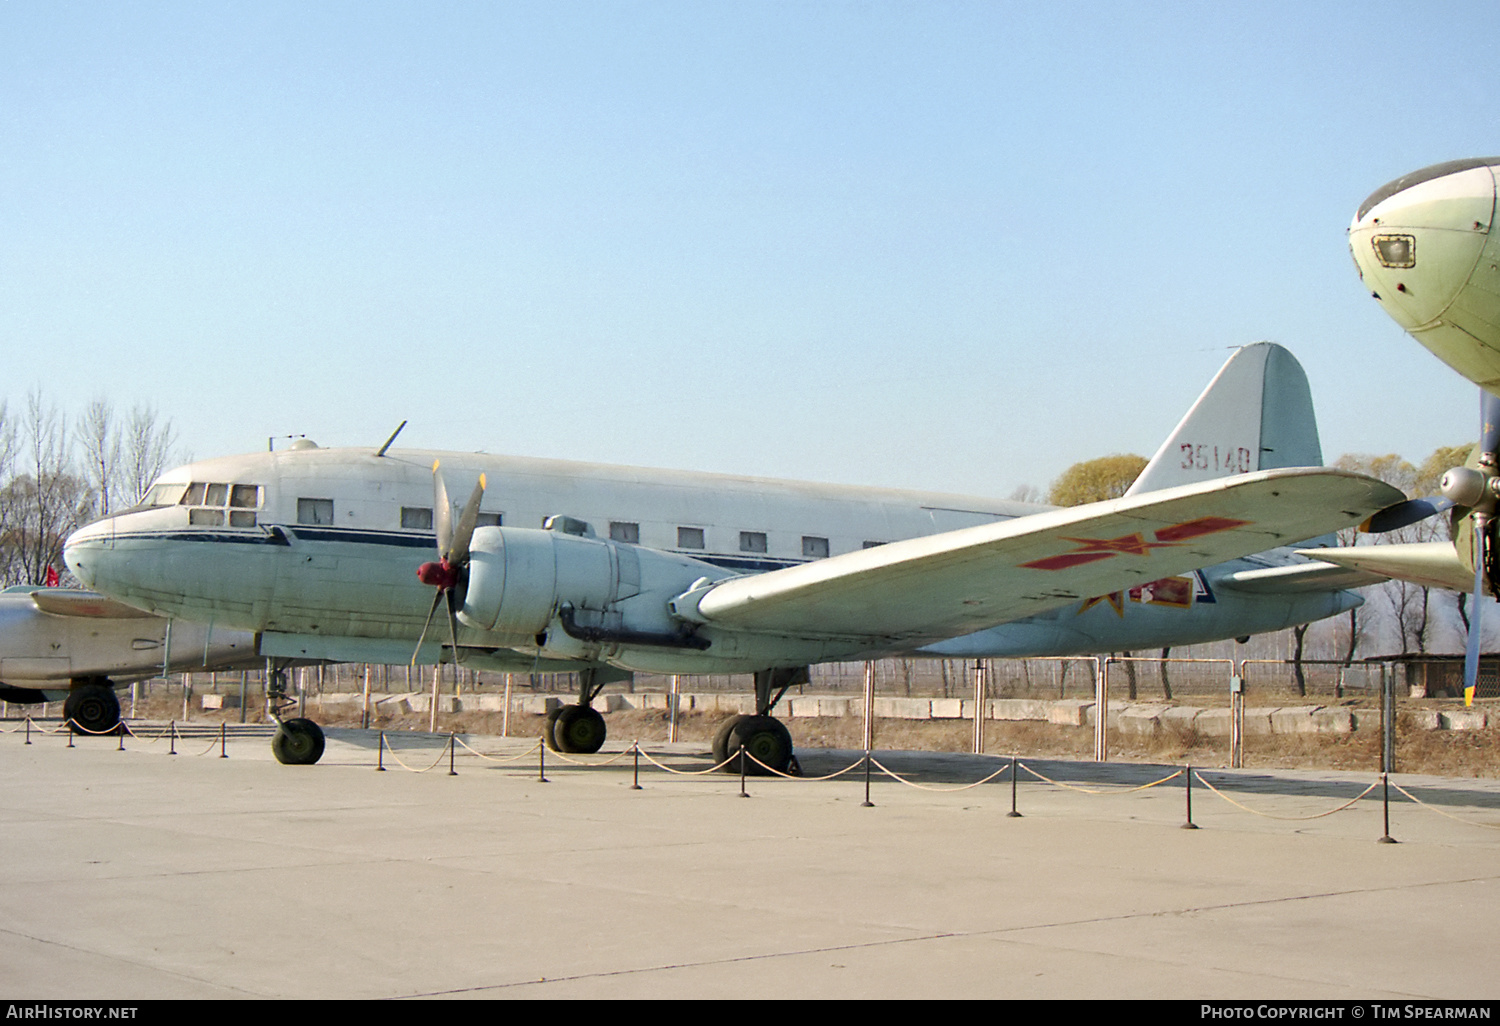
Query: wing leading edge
[940, 586]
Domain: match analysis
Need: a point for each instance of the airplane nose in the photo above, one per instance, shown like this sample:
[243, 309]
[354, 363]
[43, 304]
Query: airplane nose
[82, 549]
[1424, 249]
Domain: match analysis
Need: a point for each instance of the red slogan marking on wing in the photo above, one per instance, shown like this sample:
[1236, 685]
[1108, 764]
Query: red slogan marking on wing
[1093, 549]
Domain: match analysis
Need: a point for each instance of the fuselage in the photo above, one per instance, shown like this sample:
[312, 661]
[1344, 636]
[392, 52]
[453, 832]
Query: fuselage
[316, 550]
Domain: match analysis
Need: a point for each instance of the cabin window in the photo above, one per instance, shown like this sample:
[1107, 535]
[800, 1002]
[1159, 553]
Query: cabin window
[814, 548]
[752, 541]
[690, 537]
[489, 520]
[218, 495]
[206, 517]
[315, 511]
[416, 518]
[241, 518]
[623, 531]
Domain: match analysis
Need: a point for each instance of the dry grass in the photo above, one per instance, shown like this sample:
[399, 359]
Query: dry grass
[1451, 753]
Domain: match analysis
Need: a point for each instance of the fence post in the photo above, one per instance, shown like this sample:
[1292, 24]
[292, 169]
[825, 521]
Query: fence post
[1101, 708]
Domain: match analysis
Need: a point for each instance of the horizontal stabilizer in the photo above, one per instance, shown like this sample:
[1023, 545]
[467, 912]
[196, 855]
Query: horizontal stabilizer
[924, 589]
[1300, 578]
[73, 602]
[1431, 564]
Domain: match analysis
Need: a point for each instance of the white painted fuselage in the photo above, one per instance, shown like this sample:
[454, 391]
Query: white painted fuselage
[316, 550]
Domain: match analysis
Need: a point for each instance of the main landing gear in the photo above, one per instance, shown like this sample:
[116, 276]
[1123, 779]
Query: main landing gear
[579, 728]
[298, 741]
[92, 707]
[762, 736]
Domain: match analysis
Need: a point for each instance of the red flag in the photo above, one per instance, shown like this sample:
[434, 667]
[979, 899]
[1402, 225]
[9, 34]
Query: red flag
[53, 578]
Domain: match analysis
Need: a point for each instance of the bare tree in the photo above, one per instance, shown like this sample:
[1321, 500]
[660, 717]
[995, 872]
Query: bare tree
[45, 500]
[149, 446]
[99, 436]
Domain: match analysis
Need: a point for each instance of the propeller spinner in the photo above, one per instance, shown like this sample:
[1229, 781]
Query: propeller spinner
[453, 554]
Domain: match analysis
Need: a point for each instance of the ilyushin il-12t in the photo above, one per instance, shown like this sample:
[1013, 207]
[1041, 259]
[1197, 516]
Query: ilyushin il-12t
[350, 554]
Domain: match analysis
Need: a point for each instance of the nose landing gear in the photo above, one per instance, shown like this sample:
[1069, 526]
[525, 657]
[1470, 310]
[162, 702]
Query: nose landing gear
[298, 741]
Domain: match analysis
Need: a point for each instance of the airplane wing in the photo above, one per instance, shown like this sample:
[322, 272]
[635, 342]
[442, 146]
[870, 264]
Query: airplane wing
[1433, 564]
[1299, 578]
[71, 602]
[924, 589]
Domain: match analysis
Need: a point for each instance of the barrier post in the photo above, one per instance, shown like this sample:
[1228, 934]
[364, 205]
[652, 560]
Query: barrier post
[635, 777]
[452, 749]
[867, 804]
[1385, 801]
[743, 792]
[541, 763]
[380, 754]
[28, 728]
[171, 738]
[223, 750]
[1188, 787]
[1012, 814]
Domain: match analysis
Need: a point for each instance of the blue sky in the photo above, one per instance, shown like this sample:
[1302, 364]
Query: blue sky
[955, 246]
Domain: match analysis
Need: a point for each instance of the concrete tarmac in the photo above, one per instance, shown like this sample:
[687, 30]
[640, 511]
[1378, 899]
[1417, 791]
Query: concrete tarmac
[135, 875]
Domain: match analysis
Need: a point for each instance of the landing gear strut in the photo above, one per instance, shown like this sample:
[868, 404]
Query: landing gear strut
[762, 736]
[92, 708]
[579, 728]
[298, 741]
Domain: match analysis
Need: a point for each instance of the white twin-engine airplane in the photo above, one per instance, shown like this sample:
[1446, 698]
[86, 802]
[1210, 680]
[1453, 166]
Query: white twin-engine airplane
[331, 554]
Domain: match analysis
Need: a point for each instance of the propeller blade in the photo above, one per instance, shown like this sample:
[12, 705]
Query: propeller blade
[442, 510]
[436, 598]
[1404, 514]
[1489, 419]
[458, 550]
[453, 624]
[1471, 650]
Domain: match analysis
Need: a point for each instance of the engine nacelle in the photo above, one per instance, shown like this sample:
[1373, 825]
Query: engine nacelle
[520, 577]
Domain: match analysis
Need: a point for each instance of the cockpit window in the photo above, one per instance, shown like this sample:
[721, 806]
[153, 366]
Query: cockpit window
[241, 499]
[163, 494]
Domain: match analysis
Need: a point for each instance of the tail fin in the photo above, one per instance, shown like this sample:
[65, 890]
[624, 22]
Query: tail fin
[1256, 414]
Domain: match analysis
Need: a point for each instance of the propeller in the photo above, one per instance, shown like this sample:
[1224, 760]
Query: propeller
[453, 554]
[1479, 489]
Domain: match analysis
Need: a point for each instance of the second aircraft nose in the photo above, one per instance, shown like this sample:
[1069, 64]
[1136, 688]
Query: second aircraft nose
[1424, 249]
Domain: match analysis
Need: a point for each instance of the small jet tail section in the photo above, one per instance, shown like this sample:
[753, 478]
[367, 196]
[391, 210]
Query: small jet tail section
[1256, 414]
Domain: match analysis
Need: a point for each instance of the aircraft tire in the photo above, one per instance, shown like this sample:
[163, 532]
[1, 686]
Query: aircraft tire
[549, 728]
[579, 729]
[92, 709]
[767, 740]
[298, 742]
[720, 748]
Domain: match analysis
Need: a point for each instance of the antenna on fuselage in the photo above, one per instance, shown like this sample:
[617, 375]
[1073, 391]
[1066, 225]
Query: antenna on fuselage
[271, 441]
[388, 441]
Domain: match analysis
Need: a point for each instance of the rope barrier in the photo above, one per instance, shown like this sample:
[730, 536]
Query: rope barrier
[1111, 790]
[1440, 812]
[923, 787]
[123, 729]
[496, 758]
[394, 755]
[794, 776]
[1296, 819]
